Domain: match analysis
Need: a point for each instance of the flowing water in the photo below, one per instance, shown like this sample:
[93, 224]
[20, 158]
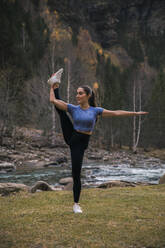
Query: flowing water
[148, 171]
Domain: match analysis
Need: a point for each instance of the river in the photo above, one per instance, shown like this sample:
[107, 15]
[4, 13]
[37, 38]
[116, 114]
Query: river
[93, 174]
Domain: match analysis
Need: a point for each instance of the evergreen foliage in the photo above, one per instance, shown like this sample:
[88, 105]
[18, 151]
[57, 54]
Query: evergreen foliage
[23, 37]
[154, 45]
[115, 96]
[88, 33]
[157, 111]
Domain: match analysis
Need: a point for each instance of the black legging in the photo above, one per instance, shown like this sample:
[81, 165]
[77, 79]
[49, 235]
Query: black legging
[77, 142]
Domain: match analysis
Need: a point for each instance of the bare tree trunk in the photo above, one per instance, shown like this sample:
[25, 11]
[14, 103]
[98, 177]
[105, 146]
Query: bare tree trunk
[136, 131]
[4, 108]
[112, 135]
[2, 128]
[23, 35]
[134, 117]
[120, 136]
[139, 123]
[14, 136]
[52, 57]
[53, 108]
[53, 125]
[69, 77]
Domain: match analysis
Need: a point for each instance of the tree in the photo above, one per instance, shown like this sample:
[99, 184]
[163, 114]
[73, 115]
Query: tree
[138, 98]
[136, 130]
[11, 99]
[112, 97]
[157, 111]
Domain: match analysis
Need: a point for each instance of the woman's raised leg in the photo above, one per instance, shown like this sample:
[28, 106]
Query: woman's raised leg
[66, 124]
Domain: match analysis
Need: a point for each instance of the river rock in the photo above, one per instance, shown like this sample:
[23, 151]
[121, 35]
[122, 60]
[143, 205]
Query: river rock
[8, 167]
[111, 184]
[8, 188]
[41, 185]
[39, 142]
[66, 180]
[106, 158]
[58, 161]
[162, 179]
[3, 172]
[4, 156]
[62, 160]
[50, 164]
[32, 163]
[69, 186]
[8, 142]
[44, 186]
[95, 156]
[16, 158]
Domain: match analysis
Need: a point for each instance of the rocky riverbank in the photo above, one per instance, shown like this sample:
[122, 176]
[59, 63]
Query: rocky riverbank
[39, 153]
[33, 150]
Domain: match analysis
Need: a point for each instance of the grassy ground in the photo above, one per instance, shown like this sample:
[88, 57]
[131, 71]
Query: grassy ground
[115, 218]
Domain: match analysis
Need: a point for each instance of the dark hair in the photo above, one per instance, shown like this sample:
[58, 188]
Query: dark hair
[89, 91]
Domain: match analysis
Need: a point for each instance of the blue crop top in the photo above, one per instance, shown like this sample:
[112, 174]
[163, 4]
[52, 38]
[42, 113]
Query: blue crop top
[84, 119]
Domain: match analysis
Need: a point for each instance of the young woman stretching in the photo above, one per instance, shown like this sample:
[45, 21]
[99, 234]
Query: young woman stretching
[77, 134]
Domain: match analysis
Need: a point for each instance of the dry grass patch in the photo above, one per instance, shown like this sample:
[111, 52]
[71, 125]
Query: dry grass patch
[115, 218]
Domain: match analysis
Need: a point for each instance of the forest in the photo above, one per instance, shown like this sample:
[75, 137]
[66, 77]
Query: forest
[115, 46]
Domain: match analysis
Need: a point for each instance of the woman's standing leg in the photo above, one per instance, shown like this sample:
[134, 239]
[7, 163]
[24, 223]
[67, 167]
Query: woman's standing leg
[79, 143]
[77, 154]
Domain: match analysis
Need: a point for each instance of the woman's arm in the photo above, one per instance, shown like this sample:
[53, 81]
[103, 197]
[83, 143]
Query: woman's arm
[110, 113]
[58, 103]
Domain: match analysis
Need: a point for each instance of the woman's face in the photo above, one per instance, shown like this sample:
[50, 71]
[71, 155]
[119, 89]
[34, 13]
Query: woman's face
[81, 96]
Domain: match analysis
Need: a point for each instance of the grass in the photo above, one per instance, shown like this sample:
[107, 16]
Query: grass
[115, 218]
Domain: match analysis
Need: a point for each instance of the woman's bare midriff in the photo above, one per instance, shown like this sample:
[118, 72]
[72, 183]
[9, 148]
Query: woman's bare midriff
[89, 133]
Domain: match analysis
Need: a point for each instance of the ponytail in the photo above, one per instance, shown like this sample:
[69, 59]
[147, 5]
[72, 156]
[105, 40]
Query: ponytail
[92, 100]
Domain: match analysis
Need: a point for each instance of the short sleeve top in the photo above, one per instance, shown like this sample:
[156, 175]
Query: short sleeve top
[84, 119]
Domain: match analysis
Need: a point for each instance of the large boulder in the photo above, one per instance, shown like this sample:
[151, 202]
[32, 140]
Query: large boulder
[43, 186]
[162, 179]
[8, 188]
[66, 180]
[111, 184]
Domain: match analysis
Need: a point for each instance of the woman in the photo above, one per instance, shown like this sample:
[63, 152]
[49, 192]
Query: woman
[77, 134]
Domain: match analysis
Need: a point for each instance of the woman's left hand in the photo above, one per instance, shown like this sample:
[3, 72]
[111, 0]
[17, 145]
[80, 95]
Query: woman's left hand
[141, 113]
[54, 86]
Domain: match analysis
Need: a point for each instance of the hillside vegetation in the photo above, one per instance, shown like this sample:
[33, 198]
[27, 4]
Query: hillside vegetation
[114, 46]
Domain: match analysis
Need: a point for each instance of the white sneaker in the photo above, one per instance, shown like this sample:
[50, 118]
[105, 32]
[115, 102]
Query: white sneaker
[77, 208]
[56, 77]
